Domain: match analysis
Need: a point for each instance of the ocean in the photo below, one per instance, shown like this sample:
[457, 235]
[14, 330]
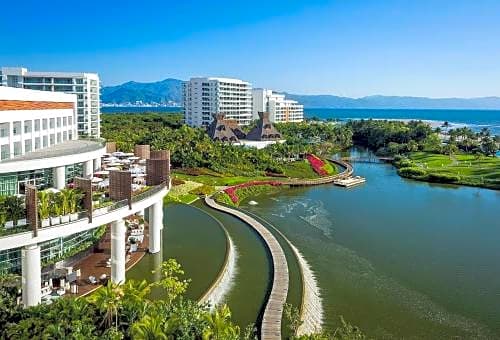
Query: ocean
[475, 119]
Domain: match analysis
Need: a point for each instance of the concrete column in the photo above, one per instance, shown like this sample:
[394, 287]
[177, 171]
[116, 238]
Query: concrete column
[157, 261]
[88, 168]
[31, 275]
[59, 177]
[155, 226]
[118, 232]
[97, 164]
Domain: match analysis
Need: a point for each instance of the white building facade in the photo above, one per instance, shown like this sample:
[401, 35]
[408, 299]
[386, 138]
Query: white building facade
[205, 96]
[39, 142]
[280, 109]
[86, 87]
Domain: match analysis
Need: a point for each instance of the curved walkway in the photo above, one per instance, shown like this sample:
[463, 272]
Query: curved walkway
[348, 170]
[271, 321]
[311, 309]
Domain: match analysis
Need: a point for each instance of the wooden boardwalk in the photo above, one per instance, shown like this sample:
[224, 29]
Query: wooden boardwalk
[95, 263]
[348, 171]
[273, 312]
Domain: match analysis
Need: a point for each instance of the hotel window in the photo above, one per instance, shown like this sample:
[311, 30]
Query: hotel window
[65, 121]
[37, 143]
[45, 141]
[59, 137]
[17, 128]
[52, 123]
[27, 145]
[65, 135]
[70, 120]
[4, 130]
[27, 126]
[5, 151]
[79, 89]
[70, 135]
[52, 139]
[44, 124]
[93, 82]
[17, 148]
[37, 125]
[58, 122]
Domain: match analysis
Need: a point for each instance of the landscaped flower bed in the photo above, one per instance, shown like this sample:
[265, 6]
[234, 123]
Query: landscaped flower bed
[317, 164]
[231, 191]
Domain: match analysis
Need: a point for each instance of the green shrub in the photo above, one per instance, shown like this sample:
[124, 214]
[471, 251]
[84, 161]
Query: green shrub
[203, 190]
[404, 163]
[443, 178]
[412, 172]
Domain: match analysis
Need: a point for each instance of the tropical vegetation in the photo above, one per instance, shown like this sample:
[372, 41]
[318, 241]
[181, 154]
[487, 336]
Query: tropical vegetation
[126, 311]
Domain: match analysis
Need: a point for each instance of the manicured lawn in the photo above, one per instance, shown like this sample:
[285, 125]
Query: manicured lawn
[472, 170]
[299, 169]
[181, 193]
[218, 181]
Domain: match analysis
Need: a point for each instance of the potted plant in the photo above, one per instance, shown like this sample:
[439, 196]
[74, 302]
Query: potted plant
[75, 199]
[44, 208]
[55, 210]
[64, 200]
[133, 244]
[3, 218]
[15, 208]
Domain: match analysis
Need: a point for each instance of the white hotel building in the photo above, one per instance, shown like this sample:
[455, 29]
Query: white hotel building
[40, 146]
[204, 97]
[280, 109]
[39, 142]
[84, 85]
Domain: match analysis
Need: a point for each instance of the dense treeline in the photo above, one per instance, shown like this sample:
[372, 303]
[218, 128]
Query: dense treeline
[192, 147]
[393, 137]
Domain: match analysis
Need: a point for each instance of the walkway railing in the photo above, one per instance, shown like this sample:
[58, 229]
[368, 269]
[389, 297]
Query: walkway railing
[83, 214]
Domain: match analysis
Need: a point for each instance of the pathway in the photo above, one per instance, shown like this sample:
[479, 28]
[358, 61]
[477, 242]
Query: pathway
[271, 321]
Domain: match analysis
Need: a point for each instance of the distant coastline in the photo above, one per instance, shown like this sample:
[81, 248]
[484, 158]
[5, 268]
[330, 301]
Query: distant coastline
[475, 119]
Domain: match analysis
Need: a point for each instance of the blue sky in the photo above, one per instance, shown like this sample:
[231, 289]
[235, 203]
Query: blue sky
[354, 48]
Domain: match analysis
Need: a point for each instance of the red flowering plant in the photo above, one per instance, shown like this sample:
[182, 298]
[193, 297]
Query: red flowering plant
[317, 164]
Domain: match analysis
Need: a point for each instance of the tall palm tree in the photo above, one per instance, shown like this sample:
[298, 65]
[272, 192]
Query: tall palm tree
[108, 299]
[150, 327]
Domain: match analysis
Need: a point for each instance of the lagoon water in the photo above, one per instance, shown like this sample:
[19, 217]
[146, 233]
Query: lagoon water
[399, 258]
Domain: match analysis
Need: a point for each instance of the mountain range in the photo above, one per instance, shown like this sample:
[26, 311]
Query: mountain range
[169, 92]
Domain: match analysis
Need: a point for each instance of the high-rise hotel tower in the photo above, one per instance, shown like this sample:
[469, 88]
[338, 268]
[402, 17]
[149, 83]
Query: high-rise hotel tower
[84, 85]
[204, 97]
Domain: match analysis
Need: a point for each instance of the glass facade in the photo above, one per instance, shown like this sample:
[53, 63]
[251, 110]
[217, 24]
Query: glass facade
[15, 183]
[10, 260]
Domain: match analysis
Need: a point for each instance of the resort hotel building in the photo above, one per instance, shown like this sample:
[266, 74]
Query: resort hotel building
[279, 108]
[39, 142]
[42, 162]
[84, 85]
[205, 97]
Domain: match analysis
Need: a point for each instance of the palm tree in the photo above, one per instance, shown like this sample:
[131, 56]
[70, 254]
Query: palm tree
[15, 208]
[65, 197]
[135, 300]
[219, 325]
[108, 299]
[150, 327]
[43, 205]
